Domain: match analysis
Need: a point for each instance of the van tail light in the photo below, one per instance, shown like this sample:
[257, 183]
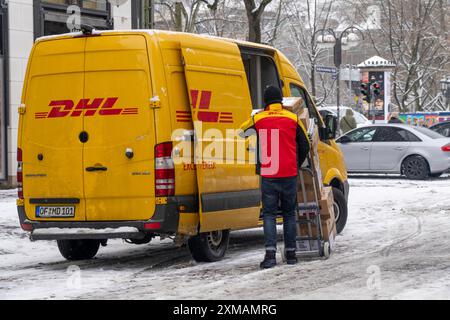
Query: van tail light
[26, 227]
[446, 148]
[19, 173]
[164, 170]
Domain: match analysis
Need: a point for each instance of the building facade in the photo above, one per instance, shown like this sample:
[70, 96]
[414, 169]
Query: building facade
[23, 21]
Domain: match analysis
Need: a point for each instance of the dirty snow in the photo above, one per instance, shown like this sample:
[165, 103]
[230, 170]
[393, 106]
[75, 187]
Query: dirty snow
[58, 231]
[396, 246]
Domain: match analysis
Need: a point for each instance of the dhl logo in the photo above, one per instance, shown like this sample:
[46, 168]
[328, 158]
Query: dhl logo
[100, 106]
[201, 103]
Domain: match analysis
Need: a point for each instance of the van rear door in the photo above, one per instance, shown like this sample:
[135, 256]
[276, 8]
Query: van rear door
[52, 152]
[220, 99]
[118, 167]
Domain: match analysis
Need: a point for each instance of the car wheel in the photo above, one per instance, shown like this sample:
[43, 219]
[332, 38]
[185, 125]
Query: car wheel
[209, 246]
[74, 250]
[340, 209]
[416, 168]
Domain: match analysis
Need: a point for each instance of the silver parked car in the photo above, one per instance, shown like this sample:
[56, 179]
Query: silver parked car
[416, 152]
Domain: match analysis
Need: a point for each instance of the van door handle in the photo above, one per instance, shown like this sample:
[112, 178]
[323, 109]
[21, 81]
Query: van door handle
[365, 148]
[92, 169]
[399, 149]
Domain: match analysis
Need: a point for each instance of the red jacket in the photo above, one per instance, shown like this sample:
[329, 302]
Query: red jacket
[282, 141]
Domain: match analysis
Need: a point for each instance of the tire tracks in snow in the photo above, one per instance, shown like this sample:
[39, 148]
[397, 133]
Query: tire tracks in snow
[386, 251]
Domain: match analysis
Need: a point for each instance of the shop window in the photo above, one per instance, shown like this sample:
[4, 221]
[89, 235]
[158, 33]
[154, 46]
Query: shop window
[52, 16]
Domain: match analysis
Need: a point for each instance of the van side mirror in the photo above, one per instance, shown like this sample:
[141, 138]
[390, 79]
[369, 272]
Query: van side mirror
[330, 129]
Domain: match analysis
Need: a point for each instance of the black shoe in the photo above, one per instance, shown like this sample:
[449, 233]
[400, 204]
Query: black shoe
[269, 261]
[291, 257]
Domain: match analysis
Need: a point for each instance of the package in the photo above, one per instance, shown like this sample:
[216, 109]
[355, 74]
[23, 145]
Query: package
[307, 245]
[328, 229]
[308, 180]
[303, 116]
[315, 137]
[309, 188]
[293, 104]
[326, 203]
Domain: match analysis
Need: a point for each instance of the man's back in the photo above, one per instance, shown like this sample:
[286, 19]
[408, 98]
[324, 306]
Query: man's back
[279, 128]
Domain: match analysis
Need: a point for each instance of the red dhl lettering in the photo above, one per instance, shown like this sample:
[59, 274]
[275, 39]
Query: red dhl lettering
[201, 100]
[85, 107]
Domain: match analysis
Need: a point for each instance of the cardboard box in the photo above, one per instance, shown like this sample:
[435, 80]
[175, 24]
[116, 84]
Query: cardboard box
[303, 116]
[292, 103]
[315, 138]
[326, 203]
[308, 180]
[307, 245]
[328, 229]
[309, 188]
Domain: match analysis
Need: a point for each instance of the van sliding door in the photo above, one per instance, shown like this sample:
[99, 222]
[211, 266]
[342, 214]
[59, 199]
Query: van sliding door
[228, 191]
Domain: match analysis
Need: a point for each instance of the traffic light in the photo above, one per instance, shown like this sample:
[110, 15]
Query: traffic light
[365, 91]
[376, 89]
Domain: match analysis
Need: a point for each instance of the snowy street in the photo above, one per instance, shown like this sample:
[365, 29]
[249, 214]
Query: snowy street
[396, 246]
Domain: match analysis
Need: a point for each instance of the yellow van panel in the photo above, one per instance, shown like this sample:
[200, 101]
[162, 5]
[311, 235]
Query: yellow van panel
[117, 70]
[220, 101]
[54, 85]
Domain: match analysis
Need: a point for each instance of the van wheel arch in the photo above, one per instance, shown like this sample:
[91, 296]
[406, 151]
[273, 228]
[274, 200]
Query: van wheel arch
[336, 183]
[340, 204]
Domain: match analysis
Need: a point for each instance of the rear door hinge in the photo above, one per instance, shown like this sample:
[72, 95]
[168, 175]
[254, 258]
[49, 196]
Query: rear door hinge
[22, 109]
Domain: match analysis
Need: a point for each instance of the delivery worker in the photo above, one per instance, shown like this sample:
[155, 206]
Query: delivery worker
[282, 148]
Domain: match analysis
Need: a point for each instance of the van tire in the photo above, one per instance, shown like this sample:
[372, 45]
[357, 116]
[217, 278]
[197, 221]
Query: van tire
[340, 204]
[74, 250]
[209, 246]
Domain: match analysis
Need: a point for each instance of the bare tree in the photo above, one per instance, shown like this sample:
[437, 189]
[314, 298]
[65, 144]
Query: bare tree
[182, 15]
[305, 20]
[254, 14]
[226, 19]
[413, 35]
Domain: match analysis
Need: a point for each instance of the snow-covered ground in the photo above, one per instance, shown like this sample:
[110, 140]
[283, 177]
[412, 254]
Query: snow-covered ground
[396, 246]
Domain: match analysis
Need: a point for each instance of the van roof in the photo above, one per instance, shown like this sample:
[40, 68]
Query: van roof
[287, 67]
[154, 32]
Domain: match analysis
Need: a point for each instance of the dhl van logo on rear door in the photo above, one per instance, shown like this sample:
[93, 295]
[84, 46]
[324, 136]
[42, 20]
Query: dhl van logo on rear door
[202, 100]
[98, 106]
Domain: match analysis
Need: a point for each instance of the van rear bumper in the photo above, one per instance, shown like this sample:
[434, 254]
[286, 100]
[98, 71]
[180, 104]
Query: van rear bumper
[164, 221]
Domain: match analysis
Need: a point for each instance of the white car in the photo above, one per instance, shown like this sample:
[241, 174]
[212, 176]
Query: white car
[361, 120]
[416, 152]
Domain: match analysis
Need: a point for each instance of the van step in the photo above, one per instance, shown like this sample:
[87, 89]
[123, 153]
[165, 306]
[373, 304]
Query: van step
[86, 233]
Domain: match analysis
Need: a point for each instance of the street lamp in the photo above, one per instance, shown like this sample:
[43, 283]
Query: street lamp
[445, 88]
[342, 40]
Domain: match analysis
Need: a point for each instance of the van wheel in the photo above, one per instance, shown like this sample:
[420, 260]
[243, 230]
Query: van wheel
[209, 246]
[74, 250]
[340, 209]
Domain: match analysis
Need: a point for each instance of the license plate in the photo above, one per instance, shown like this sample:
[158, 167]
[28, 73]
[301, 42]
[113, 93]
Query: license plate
[55, 212]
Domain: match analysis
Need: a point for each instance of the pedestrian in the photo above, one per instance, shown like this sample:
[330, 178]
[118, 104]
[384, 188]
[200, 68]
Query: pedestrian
[348, 122]
[282, 137]
[395, 118]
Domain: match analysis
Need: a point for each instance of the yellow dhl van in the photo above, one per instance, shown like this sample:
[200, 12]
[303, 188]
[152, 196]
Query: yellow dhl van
[101, 118]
